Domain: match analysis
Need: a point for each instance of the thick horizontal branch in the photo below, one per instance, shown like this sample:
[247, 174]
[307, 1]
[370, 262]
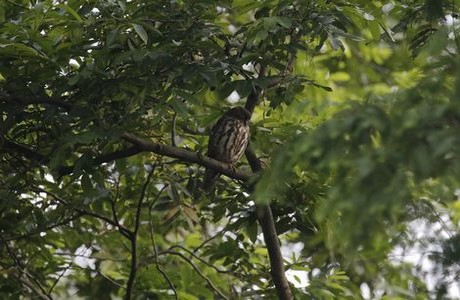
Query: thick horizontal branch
[139, 145]
[185, 155]
[65, 170]
[9, 146]
[28, 100]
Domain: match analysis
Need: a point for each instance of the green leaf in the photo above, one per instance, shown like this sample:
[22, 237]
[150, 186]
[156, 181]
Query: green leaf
[193, 240]
[86, 184]
[70, 11]
[252, 231]
[179, 105]
[141, 32]
[284, 22]
[187, 296]
[359, 147]
[244, 87]
[17, 49]
[111, 37]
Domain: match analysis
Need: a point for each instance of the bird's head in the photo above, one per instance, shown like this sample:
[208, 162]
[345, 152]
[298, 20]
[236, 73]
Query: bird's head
[239, 113]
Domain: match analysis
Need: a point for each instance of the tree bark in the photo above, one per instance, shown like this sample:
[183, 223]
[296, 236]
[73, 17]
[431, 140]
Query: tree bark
[185, 155]
[266, 220]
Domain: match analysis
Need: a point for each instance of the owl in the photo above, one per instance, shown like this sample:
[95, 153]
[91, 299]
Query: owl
[227, 142]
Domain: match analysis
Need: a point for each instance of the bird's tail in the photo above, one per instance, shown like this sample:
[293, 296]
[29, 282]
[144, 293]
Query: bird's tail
[210, 179]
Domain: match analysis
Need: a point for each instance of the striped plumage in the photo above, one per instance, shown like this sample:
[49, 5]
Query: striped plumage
[227, 141]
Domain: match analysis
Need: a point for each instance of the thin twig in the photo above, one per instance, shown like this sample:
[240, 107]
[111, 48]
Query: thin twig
[59, 277]
[202, 260]
[173, 130]
[41, 292]
[123, 230]
[28, 284]
[39, 230]
[155, 250]
[192, 264]
[89, 257]
[114, 200]
[133, 236]
[84, 250]
[103, 276]
[110, 280]
[159, 267]
[210, 239]
[141, 199]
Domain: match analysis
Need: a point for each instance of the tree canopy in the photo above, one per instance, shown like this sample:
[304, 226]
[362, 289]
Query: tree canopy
[350, 186]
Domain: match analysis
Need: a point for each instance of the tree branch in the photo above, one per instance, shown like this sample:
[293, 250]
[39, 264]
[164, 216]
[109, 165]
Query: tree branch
[193, 254]
[154, 246]
[192, 264]
[55, 283]
[140, 145]
[39, 230]
[133, 239]
[123, 230]
[26, 152]
[66, 170]
[265, 217]
[185, 155]
[35, 286]
[12, 147]
[27, 100]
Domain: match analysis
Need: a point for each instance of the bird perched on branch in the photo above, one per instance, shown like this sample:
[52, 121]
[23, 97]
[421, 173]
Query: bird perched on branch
[227, 141]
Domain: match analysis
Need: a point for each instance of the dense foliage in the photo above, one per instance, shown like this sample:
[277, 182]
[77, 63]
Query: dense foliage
[357, 126]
